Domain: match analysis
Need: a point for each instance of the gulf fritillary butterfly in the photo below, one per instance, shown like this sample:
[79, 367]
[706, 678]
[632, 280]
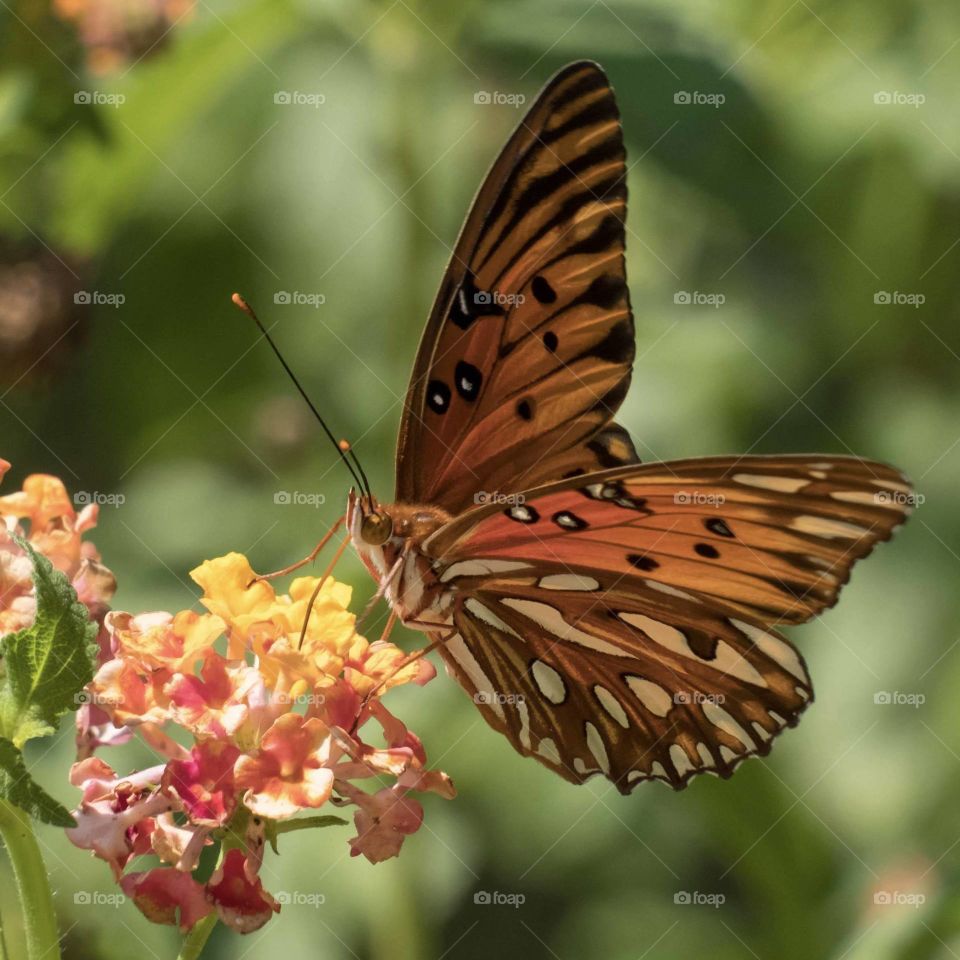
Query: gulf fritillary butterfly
[608, 617]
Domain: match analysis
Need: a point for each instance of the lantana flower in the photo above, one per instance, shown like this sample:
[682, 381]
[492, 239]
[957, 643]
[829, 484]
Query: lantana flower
[269, 728]
[42, 513]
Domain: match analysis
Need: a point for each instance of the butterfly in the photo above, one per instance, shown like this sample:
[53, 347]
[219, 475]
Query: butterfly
[607, 616]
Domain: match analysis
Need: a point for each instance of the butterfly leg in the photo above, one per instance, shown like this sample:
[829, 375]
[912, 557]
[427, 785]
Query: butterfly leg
[314, 553]
[410, 657]
[318, 587]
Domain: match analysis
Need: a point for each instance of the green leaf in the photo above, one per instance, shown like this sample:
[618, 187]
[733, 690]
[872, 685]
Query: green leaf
[46, 665]
[20, 789]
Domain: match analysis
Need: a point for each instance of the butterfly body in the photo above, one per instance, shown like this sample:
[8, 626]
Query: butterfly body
[608, 617]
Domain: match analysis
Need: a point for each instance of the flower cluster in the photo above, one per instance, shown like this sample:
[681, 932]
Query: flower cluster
[270, 702]
[54, 529]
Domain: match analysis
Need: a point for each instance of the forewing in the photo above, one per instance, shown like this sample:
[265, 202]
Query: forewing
[527, 352]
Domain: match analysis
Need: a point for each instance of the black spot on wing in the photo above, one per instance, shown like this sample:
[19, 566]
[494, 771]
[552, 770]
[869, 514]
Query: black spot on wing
[542, 290]
[438, 396]
[718, 526]
[468, 380]
[642, 561]
[707, 550]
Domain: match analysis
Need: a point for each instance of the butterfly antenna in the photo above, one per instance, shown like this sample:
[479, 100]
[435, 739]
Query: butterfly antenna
[248, 310]
[348, 447]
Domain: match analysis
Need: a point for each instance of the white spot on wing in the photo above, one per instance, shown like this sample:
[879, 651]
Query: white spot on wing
[860, 496]
[480, 568]
[468, 664]
[680, 760]
[549, 681]
[484, 613]
[767, 482]
[612, 705]
[826, 528]
[672, 591]
[651, 695]
[723, 721]
[551, 620]
[548, 749]
[776, 649]
[596, 746]
[662, 633]
[736, 665]
[568, 581]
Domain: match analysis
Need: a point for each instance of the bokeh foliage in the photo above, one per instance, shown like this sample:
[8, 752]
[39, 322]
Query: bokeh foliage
[799, 199]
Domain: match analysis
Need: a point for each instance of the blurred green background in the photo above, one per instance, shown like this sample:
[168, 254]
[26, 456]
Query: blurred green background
[143, 158]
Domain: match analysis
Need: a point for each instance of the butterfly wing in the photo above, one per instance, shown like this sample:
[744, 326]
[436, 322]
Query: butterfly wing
[632, 685]
[633, 610]
[527, 353]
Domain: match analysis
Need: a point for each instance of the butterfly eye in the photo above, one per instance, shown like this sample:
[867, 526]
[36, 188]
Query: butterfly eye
[376, 528]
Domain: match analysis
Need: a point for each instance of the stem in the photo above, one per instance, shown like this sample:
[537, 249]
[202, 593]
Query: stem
[196, 939]
[306, 823]
[36, 901]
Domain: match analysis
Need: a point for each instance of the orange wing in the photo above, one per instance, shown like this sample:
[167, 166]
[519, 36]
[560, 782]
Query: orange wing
[527, 353]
